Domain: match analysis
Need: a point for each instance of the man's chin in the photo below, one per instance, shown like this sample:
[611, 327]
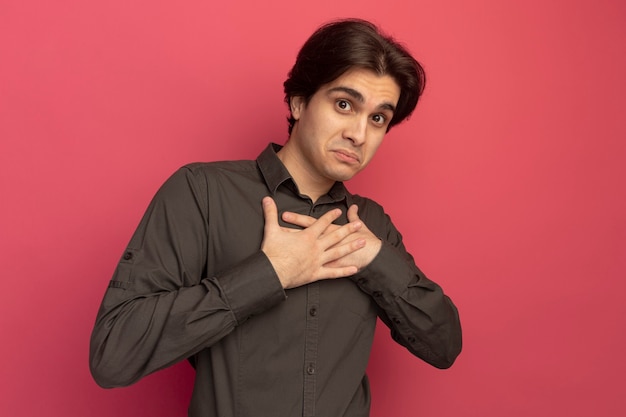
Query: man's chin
[344, 176]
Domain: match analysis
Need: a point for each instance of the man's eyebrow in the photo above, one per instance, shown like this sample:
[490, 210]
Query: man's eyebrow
[350, 91]
[359, 97]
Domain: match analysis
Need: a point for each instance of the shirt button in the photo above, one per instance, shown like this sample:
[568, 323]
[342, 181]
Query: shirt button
[310, 370]
[361, 281]
[397, 320]
[313, 311]
[128, 256]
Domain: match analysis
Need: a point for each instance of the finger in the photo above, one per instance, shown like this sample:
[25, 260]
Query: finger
[338, 262]
[304, 221]
[301, 220]
[270, 213]
[337, 236]
[338, 252]
[321, 224]
[353, 213]
[337, 272]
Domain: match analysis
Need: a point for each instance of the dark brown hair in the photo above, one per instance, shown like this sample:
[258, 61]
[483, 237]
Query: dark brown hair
[339, 46]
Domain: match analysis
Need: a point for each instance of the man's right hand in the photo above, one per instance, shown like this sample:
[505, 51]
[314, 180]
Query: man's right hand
[302, 256]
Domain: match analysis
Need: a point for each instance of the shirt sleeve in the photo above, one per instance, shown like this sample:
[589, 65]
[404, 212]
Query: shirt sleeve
[421, 317]
[159, 307]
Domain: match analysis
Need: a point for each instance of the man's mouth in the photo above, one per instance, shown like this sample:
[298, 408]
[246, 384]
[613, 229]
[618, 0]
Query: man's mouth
[347, 156]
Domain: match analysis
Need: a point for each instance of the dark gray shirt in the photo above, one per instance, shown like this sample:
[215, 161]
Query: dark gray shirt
[194, 284]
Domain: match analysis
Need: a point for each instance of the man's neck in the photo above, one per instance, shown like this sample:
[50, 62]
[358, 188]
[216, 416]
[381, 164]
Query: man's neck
[308, 184]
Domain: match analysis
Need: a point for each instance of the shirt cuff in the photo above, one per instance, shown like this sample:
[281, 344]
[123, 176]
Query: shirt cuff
[251, 287]
[387, 275]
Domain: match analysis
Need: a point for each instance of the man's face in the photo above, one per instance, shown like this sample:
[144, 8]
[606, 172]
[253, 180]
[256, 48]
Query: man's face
[338, 132]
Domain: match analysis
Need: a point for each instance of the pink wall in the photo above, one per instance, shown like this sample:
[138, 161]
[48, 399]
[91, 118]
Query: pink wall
[516, 159]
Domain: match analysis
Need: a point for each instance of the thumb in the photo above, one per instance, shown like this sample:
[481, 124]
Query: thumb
[270, 213]
[353, 213]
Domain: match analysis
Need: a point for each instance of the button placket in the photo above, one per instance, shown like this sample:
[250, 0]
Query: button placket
[310, 349]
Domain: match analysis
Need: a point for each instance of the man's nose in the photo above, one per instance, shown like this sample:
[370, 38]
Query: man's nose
[357, 131]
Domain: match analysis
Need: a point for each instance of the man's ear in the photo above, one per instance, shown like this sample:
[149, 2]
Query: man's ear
[296, 104]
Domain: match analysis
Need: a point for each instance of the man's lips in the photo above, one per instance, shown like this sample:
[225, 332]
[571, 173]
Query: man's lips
[347, 156]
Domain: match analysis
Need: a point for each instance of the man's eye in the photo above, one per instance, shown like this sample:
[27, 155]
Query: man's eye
[379, 119]
[343, 105]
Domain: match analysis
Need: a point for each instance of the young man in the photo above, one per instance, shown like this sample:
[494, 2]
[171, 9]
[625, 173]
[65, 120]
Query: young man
[269, 275]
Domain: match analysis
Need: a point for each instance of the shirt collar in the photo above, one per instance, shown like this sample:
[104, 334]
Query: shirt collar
[275, 174]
